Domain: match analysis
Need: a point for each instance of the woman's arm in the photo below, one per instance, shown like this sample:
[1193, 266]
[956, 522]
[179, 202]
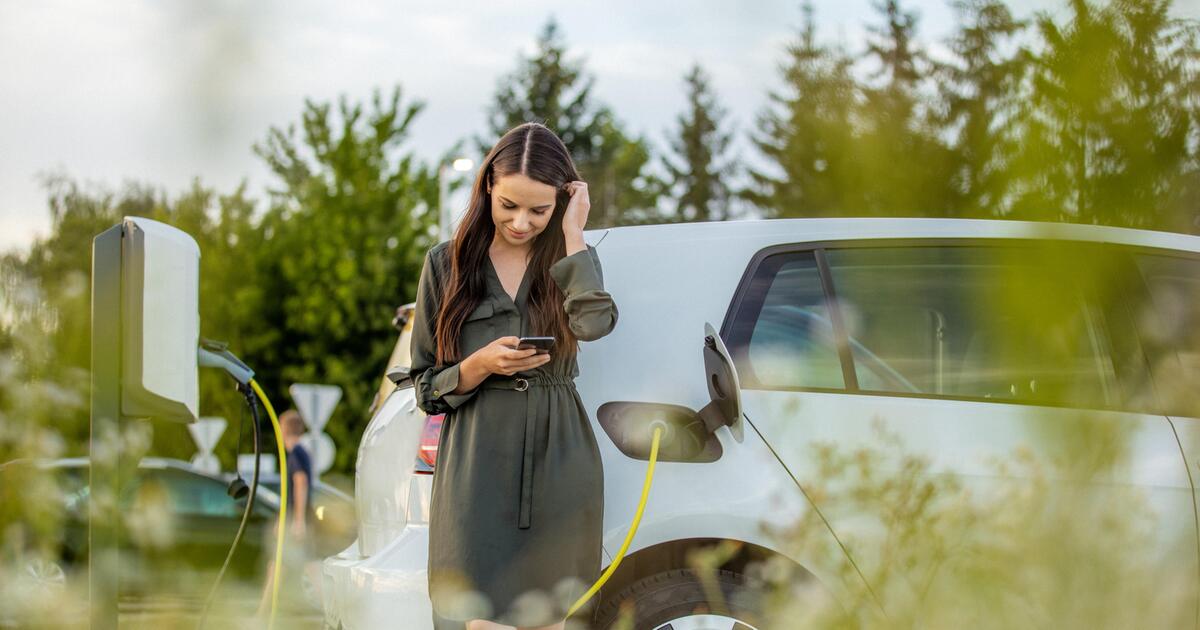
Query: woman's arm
[300, 488]
[591, 311]
[438, 389]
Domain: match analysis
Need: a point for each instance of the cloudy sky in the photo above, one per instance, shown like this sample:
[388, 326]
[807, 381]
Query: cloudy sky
[163, 91]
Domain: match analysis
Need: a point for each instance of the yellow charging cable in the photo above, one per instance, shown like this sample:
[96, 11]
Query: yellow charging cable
[283, 489]
[637, 518]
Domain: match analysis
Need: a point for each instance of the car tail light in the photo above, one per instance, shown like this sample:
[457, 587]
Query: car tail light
[427, 451]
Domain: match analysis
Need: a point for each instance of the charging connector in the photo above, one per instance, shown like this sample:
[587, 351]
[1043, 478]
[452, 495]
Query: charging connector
[216, 354]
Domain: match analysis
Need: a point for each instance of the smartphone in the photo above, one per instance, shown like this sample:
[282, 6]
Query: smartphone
[543, 344]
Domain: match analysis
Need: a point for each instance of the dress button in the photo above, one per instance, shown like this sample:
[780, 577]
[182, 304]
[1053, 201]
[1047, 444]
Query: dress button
[437, 393]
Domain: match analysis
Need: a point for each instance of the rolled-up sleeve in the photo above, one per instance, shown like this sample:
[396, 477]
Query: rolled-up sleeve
[591, 311]
[432, 384]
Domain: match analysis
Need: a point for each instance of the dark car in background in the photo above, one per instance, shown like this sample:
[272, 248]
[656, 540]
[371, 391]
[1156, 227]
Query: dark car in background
[179, 525]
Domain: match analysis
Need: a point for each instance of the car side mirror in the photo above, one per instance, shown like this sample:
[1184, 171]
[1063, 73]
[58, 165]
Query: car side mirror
[399, 374]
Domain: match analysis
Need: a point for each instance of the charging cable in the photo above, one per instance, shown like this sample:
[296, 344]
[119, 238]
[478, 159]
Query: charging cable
[252, 402]
[283, 498]
[659, 429]
[216, 354]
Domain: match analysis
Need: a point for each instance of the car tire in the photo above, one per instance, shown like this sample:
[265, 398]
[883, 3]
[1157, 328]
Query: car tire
[44, 575]
[677, 600]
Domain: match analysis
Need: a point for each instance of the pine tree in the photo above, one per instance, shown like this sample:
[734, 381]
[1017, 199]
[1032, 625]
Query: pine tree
[895, 50]
[1107, 136]
[907, 169]
[549, 89]
[981, 93]
[701, 175]
[807, 134]
[552, 90]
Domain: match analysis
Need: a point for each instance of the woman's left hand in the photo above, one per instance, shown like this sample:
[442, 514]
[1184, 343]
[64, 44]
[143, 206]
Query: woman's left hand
[576, 214]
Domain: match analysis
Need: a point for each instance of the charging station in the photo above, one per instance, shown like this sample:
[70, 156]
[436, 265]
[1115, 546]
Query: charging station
[145, 334]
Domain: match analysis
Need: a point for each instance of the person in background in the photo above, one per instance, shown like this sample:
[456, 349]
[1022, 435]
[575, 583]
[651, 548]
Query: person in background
[300, 472]
[297, 545]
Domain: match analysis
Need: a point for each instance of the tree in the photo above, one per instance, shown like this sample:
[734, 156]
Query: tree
[1107, 132]
[701, 175]
[342, 246]
[907, 168]
[549, 89]
[981, 93]
[807, 133]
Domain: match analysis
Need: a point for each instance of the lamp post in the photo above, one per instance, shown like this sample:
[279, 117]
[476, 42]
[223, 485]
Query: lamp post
[460, 165]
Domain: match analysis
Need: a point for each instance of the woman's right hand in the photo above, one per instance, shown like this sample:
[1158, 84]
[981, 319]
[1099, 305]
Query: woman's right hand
[502, 357]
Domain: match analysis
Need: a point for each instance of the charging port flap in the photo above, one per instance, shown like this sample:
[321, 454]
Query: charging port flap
[724, 388]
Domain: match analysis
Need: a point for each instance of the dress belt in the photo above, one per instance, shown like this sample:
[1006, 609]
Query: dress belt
[520, 384]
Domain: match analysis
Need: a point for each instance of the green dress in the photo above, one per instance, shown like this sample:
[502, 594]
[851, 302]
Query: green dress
[517, 506]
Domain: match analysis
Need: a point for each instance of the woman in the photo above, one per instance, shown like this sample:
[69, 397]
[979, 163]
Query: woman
[518, 490]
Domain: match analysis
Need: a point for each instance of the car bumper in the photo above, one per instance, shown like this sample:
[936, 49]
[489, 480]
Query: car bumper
[387, 590]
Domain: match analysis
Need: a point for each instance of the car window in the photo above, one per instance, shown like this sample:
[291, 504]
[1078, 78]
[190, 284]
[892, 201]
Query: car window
[976, 322]
[194, 495]
[783, 337]
[1170, 324]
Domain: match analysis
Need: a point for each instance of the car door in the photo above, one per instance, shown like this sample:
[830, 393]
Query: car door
[927, 393]
[1166, 308]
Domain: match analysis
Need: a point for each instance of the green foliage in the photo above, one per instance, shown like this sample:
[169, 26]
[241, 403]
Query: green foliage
[979, 94]
[1109, 131]
[808, 135]
[1094, 121]
[339, 249]
[700, 180]
[898, 128]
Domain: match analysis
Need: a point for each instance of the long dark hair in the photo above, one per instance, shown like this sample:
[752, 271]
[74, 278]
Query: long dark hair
[535, 151]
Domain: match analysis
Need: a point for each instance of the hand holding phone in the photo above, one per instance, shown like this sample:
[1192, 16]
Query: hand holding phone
[508, 355]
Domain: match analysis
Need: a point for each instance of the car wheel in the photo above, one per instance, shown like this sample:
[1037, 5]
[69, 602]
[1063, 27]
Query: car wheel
[679, 600]
[44, 574]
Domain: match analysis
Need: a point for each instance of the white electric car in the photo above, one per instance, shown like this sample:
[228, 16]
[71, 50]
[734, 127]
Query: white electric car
[759, 343]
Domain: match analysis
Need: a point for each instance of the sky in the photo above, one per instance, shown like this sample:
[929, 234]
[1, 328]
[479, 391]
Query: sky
[162, 92]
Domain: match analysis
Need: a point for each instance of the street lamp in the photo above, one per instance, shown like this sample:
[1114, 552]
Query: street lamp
[461, 165]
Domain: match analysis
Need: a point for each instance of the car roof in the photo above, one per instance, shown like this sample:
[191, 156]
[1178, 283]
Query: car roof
[821, 229]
